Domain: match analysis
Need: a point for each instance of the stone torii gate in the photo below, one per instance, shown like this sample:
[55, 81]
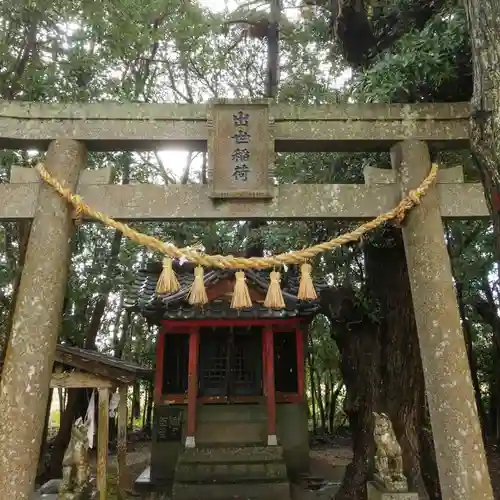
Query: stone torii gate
[237, 192]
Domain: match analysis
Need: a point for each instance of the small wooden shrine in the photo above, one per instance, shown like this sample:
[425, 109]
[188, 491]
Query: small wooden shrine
[76, 368]
[227, 379]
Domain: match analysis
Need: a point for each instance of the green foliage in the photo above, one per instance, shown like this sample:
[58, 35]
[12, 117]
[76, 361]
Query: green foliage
[426, 65]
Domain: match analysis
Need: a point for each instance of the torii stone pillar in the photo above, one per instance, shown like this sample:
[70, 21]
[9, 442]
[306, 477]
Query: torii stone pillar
[461, 460]
[24, 386]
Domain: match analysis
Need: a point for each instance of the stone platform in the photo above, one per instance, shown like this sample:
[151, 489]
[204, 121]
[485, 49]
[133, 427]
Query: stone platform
[50, 491]
[375, 492]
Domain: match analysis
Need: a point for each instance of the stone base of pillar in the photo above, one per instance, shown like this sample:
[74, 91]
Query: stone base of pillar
[272, 440]
[376, 492]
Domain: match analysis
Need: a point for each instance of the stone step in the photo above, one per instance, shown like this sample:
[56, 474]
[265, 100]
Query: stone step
[240, 491]
[230, 473]
[235, 464]
[228, 455]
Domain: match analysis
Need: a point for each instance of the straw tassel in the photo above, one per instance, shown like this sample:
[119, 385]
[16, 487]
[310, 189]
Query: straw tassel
[241, 295]
[306, 285]
[198, 294]
[167, 282]
[274, 296]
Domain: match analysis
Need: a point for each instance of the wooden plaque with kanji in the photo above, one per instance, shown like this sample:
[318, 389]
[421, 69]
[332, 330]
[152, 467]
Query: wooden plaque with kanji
[240, 149]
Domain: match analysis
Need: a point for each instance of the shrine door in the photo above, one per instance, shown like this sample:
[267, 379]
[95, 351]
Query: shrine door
[230, 362]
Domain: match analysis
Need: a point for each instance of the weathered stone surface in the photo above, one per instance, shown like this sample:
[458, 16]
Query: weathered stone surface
[198, 112]
[240, 150]
[26, 175]
[131, 126]
[228, 425]
[231, 471]
[293, 436]
[449, 175]
[461, 461]
[212, 472]
[240, 491]
[244, 454]
[374, 492]
[27, 370]
[292, 201]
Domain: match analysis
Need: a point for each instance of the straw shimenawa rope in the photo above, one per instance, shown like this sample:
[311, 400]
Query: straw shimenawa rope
[228, 261]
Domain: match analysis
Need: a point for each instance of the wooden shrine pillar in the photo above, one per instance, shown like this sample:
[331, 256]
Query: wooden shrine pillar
[27, 371]
[194, 347]
[463, 471]
[102, 443]
[269, 386]
[299, 339]
[122, 443]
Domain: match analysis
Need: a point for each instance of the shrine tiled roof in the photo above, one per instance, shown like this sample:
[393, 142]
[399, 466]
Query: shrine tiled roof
[142, 296]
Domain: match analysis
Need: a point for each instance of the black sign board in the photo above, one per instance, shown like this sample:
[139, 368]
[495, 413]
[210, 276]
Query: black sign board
[169, 424]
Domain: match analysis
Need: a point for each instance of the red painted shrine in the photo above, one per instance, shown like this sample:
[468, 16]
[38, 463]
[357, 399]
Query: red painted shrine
[226, 377]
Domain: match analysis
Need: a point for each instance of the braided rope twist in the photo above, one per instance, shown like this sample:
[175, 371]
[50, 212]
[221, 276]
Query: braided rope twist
[398, 213]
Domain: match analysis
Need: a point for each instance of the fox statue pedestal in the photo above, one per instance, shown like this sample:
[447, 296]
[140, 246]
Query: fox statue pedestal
[377, 492]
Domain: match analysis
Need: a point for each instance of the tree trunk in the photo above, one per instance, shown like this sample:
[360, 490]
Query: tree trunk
[492, 404]
[122, 339]
[313, 385]
[358, 346]
[149, 410]
[403, 392]
[42, 462]
[320, 401]
[24, 228]
[381, 367]
[136, 404]
[146, 402]
[483, 17]
[488, 312]
[472, 358]
[335, 398]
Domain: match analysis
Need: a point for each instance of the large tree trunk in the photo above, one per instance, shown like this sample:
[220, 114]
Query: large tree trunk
[483, 17]
[381, 366]
[358, 345]
[402, 378]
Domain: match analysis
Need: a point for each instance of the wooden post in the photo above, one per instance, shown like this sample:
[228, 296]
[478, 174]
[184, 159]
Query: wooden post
[269, 386]
[299, 339]
[26, 374]
[122, 443]
[102, 443]
[194, 343]
[463, 471]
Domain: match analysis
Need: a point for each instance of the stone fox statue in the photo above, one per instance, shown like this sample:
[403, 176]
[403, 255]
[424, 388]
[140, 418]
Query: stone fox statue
[388, 455]
[75, 483]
